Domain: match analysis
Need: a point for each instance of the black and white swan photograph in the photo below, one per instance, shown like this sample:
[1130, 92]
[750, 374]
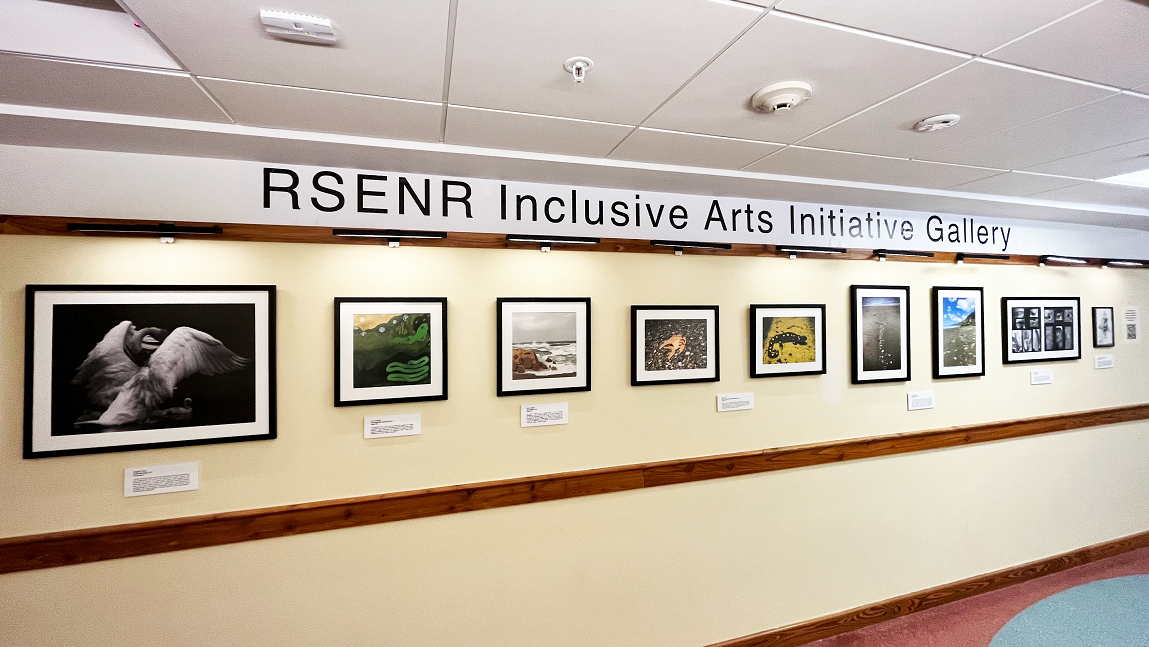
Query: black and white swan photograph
[145, 371]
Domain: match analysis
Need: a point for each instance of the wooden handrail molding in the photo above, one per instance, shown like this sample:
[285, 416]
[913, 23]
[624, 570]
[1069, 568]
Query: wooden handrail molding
[69, 547]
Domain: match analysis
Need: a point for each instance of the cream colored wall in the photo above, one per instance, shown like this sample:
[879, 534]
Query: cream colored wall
[679, 565]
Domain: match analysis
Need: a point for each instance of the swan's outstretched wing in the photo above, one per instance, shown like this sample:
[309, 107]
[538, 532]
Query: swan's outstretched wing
[188, 352]
[107, 367]
[184, 353]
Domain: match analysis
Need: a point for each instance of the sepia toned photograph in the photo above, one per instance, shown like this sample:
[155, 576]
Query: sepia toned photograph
[880, 333]
[1104, 334]
[390, 349]
[674, 344]
[958, 332]
[116, 368]
[787, 340]
[543, 345]
[1038, 329]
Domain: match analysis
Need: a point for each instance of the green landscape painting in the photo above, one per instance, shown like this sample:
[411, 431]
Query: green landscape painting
[392, 349]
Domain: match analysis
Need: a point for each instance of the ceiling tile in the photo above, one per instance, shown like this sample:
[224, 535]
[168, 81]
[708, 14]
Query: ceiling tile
[977, 26]
[988, 97]
[848, 72]
[1106, 43]
[90, 31]
[1099, 193]
[1016, 183]
[103, 88]
[523, 132]
[276, 106]
[1114, 120]
[808, 162]
[510, 55]
[665, 147]
[1107, 162]
[390, 48]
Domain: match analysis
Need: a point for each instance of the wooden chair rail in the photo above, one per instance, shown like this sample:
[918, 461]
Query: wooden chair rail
[111, 542]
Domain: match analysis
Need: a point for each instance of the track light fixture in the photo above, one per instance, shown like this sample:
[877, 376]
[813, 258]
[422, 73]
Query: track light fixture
[393, 236]
[546, 241]
[679, 245]
[1063, 260]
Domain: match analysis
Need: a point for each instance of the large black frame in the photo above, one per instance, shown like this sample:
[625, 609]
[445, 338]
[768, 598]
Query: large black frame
[339, 402]
[499, 346]
[756, 346]
[30, 370]
[634, 381]
[936, 342]
[1007, 302]
[855, 324]
[1112, 324]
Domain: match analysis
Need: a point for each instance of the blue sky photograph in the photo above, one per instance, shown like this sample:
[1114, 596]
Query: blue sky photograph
[955, 310]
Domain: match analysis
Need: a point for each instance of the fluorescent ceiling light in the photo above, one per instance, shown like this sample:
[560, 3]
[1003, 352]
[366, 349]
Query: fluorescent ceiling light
[1136, 178]
[1124, 263]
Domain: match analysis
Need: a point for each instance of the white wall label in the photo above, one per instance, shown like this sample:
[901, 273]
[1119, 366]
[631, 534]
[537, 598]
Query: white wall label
[410, 424]
[540, 415]
[159, 479]
[1041, 376]
[1132, 321]
[916, 400]
[735, 401]
[1102, 361]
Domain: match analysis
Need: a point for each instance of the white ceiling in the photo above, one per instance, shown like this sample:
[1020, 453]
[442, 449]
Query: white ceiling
[1053, 94]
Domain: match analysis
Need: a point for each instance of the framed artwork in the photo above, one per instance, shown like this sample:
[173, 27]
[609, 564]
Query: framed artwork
[673, 344]
[543, 345]
[787, 339]
[958, 332]
[880, 333]
[113, 367]
[390, 349]
[1103, 331]
[1036, 329]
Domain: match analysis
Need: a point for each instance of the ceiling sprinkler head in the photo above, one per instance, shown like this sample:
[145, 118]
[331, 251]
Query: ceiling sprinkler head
[578, 66]
[781, 96]
[930, 124]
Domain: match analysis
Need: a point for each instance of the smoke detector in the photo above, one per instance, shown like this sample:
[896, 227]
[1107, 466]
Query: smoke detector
[781, 96]
[930, 124]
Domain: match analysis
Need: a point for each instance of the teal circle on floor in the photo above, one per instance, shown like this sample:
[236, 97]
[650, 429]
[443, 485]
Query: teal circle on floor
[1105, 613]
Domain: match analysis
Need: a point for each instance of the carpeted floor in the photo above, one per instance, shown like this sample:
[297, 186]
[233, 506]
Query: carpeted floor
[1103, 604]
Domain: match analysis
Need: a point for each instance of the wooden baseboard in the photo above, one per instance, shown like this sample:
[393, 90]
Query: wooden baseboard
[128, 540]
[839, 623]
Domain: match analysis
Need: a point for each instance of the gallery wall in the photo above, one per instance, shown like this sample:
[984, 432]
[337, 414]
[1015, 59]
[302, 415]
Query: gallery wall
[679, 565]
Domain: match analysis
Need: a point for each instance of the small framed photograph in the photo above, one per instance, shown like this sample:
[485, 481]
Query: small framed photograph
[673, 344]
[114, 368]
[880, 333]
[390, 349]
[543, 345]
[787, 339]
[1038, 329]
[958, 332]
[1103, 331]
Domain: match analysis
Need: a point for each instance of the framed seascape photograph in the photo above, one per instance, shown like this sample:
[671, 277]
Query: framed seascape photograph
[673, 344]
[1103, 332]
[880, 333]
[1037, 329]
[113, 368]
[543, 345]
[390, 349]
[958, 332]
[787, 340]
